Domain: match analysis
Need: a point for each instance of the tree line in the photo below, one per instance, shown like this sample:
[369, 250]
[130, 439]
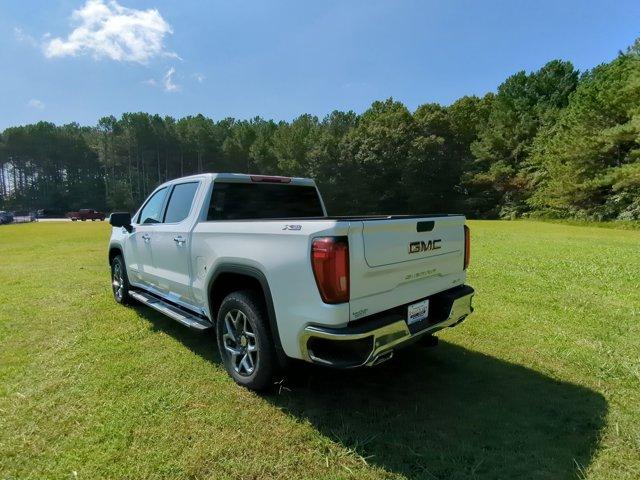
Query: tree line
[553, 142]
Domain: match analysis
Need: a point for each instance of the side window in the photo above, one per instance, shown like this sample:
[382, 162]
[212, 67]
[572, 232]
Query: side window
[152, 211]
[180, 202]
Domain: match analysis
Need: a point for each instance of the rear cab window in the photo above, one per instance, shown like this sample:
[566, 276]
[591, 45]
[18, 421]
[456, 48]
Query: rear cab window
[255, 201]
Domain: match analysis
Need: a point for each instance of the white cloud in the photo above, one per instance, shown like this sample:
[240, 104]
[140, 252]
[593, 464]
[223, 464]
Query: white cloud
[24, 37]
[199, 77]
[35, 103]
[168, 83]
[109, 30]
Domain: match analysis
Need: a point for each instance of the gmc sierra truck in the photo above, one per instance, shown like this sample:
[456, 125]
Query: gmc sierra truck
[258, 259]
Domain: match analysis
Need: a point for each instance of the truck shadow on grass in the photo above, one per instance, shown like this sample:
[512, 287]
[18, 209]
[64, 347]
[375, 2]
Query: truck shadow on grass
[448, 412]
[445, 412]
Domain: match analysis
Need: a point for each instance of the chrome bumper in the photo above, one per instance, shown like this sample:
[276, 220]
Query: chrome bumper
[383, 339]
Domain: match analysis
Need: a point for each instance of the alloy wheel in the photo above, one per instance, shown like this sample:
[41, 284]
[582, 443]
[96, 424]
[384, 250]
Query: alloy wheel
[117, 281]
[239, 341]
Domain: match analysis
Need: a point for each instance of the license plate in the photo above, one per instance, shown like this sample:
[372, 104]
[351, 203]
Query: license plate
[418, 311]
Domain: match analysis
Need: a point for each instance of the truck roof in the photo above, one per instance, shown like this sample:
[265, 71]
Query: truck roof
[244, 178]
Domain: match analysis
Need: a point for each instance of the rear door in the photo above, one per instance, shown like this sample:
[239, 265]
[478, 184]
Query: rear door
[398, 260]
[171, 246]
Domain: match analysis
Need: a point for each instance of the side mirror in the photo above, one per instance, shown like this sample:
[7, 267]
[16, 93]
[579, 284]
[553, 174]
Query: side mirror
[121, 219]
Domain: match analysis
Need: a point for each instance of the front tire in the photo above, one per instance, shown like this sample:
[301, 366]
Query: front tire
[244, 340]
[120, 281]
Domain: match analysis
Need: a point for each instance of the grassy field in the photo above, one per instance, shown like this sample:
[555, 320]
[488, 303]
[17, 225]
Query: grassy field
[543, 381]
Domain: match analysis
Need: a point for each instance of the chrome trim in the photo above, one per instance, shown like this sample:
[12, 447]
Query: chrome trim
[386, 337]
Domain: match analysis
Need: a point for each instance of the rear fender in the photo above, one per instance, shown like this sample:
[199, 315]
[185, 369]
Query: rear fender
[255, 274]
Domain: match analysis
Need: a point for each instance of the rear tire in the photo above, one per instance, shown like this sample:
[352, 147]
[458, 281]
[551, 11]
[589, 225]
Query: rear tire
[244, 340]
[120, 281]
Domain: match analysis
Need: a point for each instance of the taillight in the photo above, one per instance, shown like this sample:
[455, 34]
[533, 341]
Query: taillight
[467, 246]
[330, 262]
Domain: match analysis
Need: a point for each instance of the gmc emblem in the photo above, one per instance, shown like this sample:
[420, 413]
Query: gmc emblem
[417, 247]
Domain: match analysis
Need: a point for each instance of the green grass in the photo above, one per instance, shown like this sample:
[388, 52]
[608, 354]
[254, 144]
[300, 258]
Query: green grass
[543, 381]
[617, 224]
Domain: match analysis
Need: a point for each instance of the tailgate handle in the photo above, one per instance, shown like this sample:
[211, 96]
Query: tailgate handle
[425, 226]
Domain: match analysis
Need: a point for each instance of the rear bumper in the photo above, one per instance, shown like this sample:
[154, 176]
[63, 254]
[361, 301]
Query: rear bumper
[371, 340]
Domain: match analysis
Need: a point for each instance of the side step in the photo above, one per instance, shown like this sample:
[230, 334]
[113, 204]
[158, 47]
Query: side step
[186, 318]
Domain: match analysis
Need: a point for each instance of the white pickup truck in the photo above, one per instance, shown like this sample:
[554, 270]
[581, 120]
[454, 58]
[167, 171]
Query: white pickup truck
[258, 259]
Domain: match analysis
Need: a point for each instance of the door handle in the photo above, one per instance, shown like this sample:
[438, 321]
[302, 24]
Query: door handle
[180, 240]
[146, 237]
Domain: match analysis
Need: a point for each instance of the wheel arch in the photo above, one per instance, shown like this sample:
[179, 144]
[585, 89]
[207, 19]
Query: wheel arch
[229, 278]
[114, 251]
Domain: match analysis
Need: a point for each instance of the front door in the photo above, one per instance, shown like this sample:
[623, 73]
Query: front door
[143, 237]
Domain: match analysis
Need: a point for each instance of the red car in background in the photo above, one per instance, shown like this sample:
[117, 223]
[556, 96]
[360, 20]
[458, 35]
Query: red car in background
[86, 214]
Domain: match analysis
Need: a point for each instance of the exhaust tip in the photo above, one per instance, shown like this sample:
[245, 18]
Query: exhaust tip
[383, 357]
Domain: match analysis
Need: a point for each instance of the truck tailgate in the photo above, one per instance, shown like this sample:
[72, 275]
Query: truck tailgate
[398, 260]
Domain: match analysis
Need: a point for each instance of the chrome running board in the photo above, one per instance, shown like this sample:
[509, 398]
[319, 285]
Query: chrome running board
[178, 314]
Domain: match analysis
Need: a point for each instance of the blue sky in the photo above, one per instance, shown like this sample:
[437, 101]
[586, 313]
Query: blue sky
[279, 59]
